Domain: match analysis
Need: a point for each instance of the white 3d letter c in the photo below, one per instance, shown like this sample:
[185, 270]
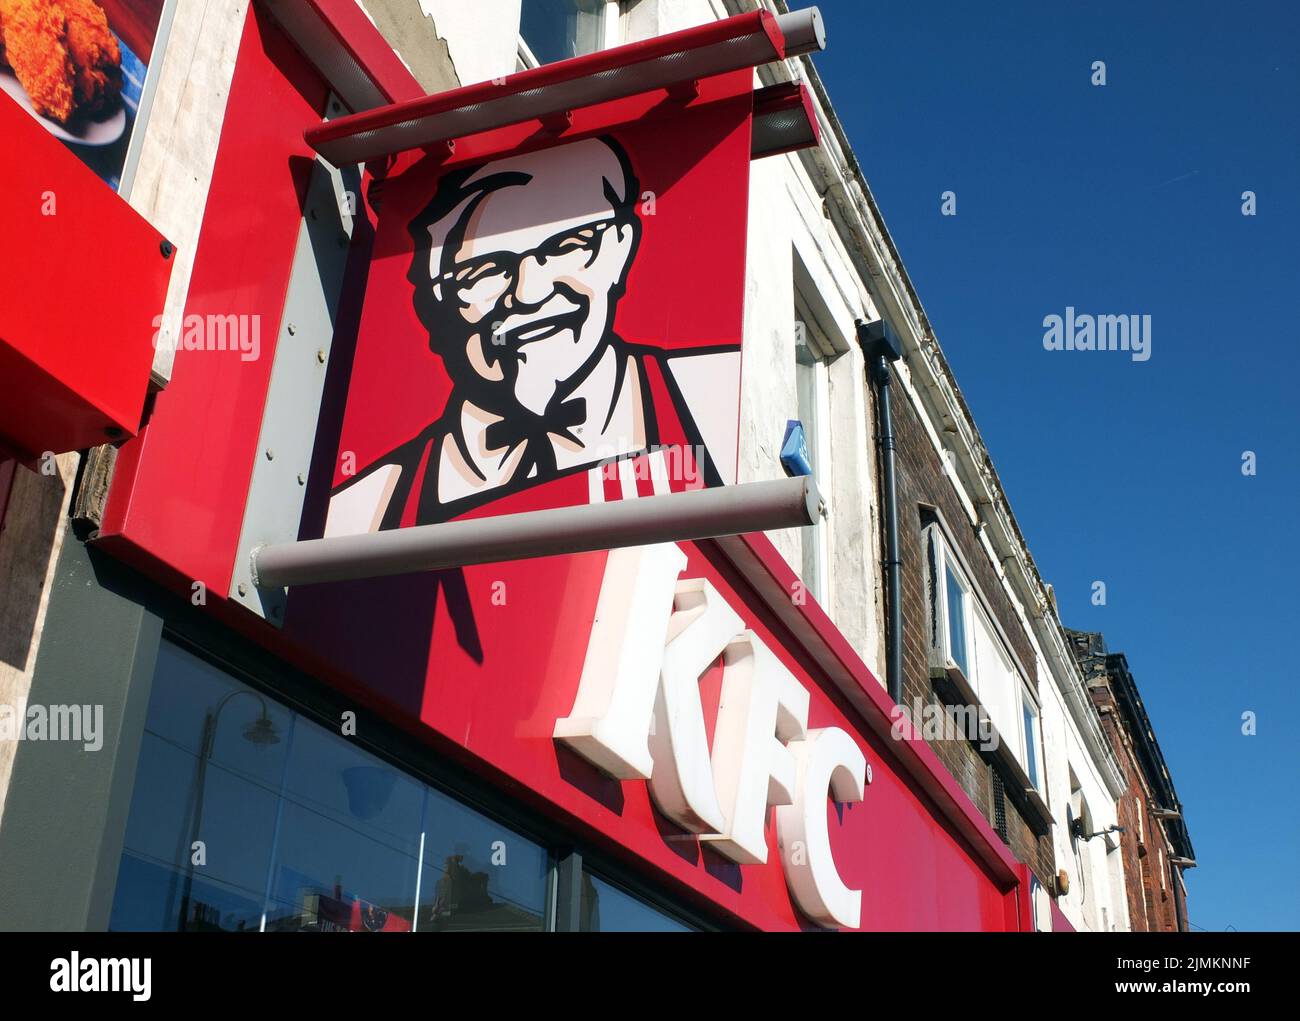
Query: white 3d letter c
[829, 760]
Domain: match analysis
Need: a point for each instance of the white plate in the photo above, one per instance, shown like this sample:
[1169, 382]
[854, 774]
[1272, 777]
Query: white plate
[87, 132]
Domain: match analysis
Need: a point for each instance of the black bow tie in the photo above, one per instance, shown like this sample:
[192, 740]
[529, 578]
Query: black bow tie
[532, 431]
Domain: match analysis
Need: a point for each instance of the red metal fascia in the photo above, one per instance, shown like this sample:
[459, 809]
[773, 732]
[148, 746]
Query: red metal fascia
[1021, 902]
[775, 583]
[541, 133]
[1059, 922]
[195, 455]
[661, 63]
[84, 280]
[348, 51]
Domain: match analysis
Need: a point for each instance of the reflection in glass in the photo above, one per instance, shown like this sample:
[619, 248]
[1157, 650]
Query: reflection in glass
[957, 623]
[477, 874]
[1031, 743]
[606, 908]
[559, 29]
[246, 816]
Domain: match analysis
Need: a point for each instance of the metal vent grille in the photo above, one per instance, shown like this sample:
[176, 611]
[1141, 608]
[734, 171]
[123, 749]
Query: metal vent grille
[1000, 807]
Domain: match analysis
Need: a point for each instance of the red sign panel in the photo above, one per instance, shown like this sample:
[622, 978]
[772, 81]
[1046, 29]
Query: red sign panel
[530, 319]
[83, 283]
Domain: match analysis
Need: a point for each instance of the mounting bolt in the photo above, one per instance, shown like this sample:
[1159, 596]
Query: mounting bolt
[868, 772]
[292, 329]
[166, 247]
[320, 355]
[302, 479]
[243, 589]
[270, 455]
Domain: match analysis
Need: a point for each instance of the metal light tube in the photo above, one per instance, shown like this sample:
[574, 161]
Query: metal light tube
[673, 517]
[803, 30]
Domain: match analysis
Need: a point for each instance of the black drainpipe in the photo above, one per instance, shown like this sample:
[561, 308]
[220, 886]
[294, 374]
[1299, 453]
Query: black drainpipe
[1178, 908]
[880, 346]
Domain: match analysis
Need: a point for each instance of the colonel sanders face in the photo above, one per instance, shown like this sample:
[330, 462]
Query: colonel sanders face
[518, 266]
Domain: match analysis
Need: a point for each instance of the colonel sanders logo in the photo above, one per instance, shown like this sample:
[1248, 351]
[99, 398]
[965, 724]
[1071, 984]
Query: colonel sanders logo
[518, 268]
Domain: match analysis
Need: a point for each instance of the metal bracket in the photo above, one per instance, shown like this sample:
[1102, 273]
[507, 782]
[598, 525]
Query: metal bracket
[273, 511]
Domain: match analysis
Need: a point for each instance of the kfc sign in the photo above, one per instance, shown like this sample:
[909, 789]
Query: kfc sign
[638, 716]
[533, 318]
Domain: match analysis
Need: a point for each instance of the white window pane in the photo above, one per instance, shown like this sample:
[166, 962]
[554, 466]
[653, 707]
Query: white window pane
[1031, 743]
[958, 643]
[999, 685]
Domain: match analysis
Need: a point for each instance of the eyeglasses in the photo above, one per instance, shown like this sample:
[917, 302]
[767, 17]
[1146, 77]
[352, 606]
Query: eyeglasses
[484, 279]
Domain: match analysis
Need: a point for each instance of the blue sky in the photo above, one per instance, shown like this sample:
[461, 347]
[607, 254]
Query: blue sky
[1118, 199]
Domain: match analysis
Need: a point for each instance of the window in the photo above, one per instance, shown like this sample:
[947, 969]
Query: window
[963, 634]
[551, 30]
[950, 607]
[958, 598]
[250, 817]
[607, 908]
[812, 386]
[1030, 736]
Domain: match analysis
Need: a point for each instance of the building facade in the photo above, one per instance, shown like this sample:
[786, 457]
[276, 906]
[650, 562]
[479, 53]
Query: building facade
[418, 752]
[1154, 841]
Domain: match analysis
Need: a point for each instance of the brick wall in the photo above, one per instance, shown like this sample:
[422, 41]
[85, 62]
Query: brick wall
[1143, 847]
[921, 481]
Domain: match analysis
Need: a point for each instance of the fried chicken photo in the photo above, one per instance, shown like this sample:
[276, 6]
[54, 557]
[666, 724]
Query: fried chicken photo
[35, 47]
[94, 52]
[63, 54]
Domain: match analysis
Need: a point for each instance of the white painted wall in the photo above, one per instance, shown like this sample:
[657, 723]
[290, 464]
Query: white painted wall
[482, 36]
[1096, 874]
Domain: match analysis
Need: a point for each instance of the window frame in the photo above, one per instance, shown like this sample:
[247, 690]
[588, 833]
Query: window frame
[637, 893]
[947, 557]
[813, 355]
[300, 693]
[945, 561]
[1032, 741]
[611, 35]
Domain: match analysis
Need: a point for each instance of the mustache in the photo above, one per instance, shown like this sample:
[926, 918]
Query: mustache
[495, 340]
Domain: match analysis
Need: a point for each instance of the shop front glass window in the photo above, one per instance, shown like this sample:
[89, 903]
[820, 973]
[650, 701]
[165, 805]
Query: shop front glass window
[247, 816]
[606, 908]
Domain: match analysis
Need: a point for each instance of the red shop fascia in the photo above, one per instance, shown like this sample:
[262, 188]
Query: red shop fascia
[390, 298]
